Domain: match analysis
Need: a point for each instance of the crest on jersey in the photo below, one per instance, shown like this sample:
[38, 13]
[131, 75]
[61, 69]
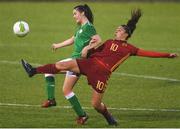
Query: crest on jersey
[80, 31]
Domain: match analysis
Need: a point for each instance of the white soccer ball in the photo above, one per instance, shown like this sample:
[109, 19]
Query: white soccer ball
[21, 28]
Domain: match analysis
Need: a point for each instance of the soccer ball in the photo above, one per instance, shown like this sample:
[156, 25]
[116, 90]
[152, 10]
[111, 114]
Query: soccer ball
[21, 28]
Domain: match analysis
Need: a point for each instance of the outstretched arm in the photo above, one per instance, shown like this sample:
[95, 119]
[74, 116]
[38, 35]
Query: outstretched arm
[67, 42]
[153, 54]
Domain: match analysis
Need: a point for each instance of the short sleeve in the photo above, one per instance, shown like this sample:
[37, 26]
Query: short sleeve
[90, 31]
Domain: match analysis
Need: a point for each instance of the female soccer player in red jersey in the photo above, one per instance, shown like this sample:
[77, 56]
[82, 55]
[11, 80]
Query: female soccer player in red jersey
[101, 62]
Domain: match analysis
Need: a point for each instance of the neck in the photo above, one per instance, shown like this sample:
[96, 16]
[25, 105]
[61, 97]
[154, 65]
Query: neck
[122, 39]
[84, 21]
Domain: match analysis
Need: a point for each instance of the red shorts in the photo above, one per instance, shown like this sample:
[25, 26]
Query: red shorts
[97, 75]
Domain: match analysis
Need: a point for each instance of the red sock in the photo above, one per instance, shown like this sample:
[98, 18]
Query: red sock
[49, 68]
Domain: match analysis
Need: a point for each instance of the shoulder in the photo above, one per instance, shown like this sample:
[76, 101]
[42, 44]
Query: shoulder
[133, 49]
[89, 29]
[131, 45]
[109, 41]
[89, 25]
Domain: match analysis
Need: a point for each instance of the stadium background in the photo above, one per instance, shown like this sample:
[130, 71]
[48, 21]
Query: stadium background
[143, 92]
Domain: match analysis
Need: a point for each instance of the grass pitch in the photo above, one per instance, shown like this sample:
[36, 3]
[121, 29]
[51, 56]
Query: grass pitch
[143, 92]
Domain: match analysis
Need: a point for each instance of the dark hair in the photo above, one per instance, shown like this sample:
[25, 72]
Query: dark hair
[87, 11]
[131, 24]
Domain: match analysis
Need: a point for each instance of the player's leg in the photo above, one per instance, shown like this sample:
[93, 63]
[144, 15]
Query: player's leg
[69, 82]
[51, 68]
[101, 108]
[50, 90]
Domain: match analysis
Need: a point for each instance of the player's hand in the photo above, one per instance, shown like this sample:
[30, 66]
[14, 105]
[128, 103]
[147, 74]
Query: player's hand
[84, 52]
[54, 47]
[173, 55]
[95, 38]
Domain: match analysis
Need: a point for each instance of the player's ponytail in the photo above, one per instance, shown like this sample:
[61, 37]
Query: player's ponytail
[87, 12]
[131, 24]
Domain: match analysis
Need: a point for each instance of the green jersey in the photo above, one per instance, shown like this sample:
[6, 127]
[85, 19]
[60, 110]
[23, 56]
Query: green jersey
[82, 37]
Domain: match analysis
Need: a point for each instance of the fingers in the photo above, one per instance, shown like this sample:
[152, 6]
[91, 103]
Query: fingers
[95, 38]
[54, 47]
[93, 41]
[173, 55]
[177, 54]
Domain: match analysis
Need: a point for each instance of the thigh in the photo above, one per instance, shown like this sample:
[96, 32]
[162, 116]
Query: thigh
[70, 65]
[97, 75]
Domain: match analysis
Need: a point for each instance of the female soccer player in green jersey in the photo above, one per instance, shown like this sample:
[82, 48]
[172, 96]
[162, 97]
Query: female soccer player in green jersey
[84, 18]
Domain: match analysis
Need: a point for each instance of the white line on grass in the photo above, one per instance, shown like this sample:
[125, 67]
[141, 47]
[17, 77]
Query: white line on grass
[90, 108]
[164, 49]
[15, 62]
[23, 45]
[116, 73]
[147, 77]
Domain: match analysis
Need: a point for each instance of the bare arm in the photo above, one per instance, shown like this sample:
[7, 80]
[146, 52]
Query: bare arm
[67, 42]
[94, 43]
[153, 54]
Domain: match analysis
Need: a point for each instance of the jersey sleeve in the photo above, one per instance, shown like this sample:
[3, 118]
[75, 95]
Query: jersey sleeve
[90, 31]
[133, 50]
[152, 54]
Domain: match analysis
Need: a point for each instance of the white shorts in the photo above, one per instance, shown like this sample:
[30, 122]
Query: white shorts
[68, 73]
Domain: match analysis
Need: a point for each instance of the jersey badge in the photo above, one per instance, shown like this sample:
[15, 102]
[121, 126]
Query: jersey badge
[80, 31]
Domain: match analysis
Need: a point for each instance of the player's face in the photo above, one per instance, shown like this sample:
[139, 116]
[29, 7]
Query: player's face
[77, 16]
[120, 33]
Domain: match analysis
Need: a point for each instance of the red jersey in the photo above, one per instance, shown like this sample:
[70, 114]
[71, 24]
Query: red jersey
[103, 61]
[113, 52]
[107, 58]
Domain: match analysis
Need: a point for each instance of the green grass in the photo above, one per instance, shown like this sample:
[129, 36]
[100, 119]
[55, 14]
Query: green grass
[158, 30]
